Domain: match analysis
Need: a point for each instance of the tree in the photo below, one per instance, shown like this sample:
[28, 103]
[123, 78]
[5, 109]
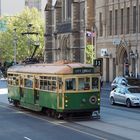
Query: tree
[24, 45]
[90, 54]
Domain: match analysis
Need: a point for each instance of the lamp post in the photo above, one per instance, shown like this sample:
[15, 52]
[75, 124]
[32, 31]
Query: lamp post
[15, 45]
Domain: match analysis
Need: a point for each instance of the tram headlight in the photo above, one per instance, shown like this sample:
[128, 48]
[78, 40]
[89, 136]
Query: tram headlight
[66, 101]
[93, 99]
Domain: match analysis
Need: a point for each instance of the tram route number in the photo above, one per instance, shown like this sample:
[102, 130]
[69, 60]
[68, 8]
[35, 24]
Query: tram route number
[83, 70]
[97, 62]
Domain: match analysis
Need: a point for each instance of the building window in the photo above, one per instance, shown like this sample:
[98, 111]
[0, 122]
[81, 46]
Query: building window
[66, 9]
[69, 8]
[121, 21]
[63, 10]
[101, 24]
[128, 20]
[134, 19]
[110, 24]
[116, 22]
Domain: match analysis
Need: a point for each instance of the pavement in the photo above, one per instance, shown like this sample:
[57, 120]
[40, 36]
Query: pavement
[3, 86]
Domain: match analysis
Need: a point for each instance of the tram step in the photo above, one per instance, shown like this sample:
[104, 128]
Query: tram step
[34, 107]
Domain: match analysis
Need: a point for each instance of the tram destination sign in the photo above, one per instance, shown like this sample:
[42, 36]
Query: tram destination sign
[83, 70]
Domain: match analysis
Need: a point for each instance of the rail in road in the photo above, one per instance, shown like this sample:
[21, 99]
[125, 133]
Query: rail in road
[47, 128]
[116, 123]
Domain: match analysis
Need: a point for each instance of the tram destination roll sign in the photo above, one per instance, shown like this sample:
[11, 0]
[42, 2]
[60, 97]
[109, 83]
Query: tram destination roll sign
[83, 70]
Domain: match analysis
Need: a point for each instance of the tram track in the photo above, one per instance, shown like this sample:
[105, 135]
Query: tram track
[69, 124]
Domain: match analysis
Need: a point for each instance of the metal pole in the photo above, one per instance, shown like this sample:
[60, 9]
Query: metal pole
[15, 46]
[85, 22]
[136, 53]
[92, 43]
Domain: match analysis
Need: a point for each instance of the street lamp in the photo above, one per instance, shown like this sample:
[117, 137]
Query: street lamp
[15, 45]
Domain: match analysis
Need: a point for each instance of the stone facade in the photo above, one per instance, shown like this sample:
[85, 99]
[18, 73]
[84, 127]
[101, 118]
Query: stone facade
[65, 32]
[118, 40]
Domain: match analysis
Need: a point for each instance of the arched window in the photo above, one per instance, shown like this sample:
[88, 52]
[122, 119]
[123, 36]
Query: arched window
[66, 9]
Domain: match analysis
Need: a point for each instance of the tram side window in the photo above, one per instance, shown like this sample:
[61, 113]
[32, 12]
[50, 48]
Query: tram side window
[28, 83]
[13, 79]
[95, 83]
[70, 84]
[43, 84]
[53, 85]
[60, 83]
[10, 78]
[84, 83]
[48, 84]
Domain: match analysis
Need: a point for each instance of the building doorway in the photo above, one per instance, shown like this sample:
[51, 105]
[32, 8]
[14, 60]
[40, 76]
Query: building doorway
[123, 64]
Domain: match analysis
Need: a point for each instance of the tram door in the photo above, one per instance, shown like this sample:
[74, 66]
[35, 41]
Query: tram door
[60, 94]
[21, 88]
[36, 92]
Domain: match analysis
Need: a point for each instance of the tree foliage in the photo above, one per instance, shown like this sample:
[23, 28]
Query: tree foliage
[24, 46]
[90, 54]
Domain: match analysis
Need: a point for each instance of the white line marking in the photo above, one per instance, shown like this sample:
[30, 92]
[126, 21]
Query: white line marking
[27, 138]
[56, 123]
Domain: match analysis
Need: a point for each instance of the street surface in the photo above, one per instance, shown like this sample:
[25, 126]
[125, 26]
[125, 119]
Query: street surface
[116, 123]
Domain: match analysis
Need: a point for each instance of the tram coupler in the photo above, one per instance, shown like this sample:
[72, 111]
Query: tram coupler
[96, 115]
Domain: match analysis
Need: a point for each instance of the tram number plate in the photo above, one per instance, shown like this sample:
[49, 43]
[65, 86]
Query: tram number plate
[83, 70]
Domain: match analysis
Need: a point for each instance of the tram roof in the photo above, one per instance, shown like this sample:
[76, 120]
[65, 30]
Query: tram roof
[55, 68]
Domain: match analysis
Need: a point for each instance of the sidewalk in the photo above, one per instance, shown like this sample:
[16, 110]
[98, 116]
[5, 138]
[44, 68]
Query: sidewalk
[106, 86]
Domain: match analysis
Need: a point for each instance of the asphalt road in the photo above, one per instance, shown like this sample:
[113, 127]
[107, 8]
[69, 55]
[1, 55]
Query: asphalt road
[116, 123]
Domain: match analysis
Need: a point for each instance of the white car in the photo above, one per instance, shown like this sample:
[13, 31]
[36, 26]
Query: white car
[118, 81]
[129, 96]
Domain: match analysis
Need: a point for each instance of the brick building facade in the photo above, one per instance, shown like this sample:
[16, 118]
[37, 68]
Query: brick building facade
[118, 41]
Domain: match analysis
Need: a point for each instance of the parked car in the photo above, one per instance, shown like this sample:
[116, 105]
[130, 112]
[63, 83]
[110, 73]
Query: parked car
[119, 80]
[125, 81]
[127, 95]
[1, 74]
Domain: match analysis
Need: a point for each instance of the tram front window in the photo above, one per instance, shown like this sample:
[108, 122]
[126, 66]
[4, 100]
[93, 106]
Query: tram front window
[70, 84]
[95, 83]
[84, 83]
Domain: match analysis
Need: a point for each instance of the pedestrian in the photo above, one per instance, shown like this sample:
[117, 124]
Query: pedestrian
[101, 81]
[131, 74]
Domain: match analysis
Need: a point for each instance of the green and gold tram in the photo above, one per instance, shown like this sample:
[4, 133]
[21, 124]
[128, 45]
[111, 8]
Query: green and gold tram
[59, 89]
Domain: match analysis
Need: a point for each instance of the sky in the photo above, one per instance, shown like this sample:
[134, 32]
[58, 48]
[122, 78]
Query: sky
[54, 2]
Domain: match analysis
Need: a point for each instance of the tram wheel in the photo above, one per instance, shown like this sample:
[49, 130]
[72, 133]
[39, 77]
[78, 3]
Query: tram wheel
[15, 103]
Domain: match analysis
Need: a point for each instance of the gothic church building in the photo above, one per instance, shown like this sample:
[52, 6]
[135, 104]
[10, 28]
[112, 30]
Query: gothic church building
[66, 23]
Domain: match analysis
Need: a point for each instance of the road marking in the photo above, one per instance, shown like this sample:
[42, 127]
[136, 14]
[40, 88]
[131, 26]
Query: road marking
[27, 138]
[74, 129]
[55, 123]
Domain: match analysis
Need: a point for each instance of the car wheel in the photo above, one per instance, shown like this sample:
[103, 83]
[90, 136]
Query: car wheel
[112, 101]
[128, 103]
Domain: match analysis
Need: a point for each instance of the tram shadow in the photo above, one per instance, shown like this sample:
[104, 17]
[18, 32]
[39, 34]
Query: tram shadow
[94, 116]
